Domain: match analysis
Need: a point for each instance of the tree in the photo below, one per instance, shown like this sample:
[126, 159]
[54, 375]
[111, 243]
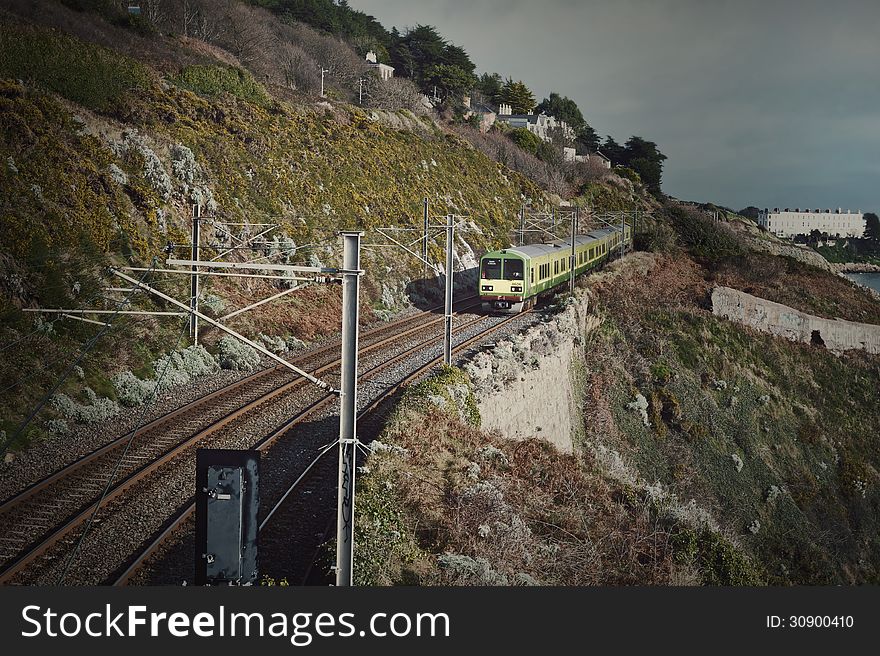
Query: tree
[563, 108]
[416, 51]
[566, 109]
[872, 226]
[489, 85]
[451, 82]
[456, 56]
[396, 93]
[614, 151]
[643, 157]
[525, 140]
[518, 96]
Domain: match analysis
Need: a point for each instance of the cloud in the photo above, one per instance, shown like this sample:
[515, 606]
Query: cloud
[755, 102]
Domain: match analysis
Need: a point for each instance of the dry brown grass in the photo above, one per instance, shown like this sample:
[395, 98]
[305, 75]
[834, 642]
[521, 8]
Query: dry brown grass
[525, 510]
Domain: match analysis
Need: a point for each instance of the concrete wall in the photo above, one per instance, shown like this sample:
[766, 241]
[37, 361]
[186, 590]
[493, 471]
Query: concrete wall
[777, 319]
[527, 386]
[537, 404]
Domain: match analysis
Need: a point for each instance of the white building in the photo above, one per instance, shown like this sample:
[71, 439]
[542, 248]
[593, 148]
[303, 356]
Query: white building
[538, 124]
[788, 223]
[596, 159]
[385, 71]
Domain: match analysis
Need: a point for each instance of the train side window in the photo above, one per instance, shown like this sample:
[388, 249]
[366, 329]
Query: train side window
[532, 275]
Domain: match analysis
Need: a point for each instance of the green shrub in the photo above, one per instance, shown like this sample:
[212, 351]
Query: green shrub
[214, 80]
[525, 140]
[628, 173]
[659, 238]
[702, 237]
[718, 560]
[82, 72]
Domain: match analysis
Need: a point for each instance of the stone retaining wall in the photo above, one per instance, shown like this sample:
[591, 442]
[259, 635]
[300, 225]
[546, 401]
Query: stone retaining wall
[777, 319]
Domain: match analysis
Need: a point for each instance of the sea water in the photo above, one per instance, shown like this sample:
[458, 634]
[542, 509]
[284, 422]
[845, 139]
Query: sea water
[871, 280]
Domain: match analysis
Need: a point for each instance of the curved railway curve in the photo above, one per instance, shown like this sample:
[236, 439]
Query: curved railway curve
[295, 504]
[46, 512]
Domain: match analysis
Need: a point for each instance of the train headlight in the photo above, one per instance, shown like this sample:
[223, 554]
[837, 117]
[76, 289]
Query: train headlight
[515, 288]
[487, 288]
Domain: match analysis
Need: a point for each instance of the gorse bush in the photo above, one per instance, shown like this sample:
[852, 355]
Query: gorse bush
[171, 370]
[84, 73]
[235, 355]
[214, 80]
[702, 237]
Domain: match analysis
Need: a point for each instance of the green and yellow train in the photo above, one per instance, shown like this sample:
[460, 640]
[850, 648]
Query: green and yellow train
[512, 279]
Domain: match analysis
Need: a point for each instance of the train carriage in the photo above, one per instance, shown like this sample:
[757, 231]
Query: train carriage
[512, 279]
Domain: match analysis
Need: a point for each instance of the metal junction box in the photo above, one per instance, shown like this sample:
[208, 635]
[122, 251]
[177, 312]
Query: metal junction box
[227, 503]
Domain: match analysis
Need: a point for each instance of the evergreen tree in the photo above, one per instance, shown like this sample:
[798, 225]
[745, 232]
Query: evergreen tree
[566, 109]
[452, 83]
[614, 151]
[456, 56]
[489, 85]
[872, 226]
[518, 96]
[643, 157]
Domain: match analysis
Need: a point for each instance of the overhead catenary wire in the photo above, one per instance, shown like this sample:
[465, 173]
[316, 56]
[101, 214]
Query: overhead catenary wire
[96, 295]
[76, 549]
[83, 352]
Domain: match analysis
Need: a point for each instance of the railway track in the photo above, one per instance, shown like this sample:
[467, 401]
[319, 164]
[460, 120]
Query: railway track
[315, 473]
[42, 514]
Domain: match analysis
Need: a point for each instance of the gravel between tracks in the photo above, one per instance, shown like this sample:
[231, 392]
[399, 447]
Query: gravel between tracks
[123, 527]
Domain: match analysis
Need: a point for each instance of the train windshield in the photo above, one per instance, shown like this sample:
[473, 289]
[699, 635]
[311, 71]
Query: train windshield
[491, 269]
[513, 269]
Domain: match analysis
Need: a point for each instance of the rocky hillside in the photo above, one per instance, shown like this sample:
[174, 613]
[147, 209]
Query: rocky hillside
[102, 155]
[696, 451]
[693, 451]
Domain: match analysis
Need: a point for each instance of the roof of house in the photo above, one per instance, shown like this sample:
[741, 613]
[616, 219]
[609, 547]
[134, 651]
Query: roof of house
[531, 118]
[481, 108]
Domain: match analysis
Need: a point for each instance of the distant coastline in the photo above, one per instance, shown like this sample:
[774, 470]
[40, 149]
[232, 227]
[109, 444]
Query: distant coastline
[856, 267]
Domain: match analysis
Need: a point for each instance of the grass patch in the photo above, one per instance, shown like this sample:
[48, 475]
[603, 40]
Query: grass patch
[214, 80]
[85, 73]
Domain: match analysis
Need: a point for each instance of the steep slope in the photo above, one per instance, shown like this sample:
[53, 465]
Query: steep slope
[703, 452]
[102, 156]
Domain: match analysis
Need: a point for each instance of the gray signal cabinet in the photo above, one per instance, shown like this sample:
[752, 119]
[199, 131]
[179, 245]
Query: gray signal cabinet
[227, 503]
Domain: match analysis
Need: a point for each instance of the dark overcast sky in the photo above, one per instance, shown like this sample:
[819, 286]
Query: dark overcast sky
[767, 103]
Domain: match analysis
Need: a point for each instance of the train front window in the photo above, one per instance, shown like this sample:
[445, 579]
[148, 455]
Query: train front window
[492, 269]
[513, 269]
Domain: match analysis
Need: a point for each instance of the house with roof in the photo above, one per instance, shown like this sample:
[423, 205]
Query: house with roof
[540, 125]
[486, 113]
[597, 159]
[385, 71]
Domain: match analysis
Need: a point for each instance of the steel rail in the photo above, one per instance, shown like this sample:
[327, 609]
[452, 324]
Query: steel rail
[49, 538]
[187, 511]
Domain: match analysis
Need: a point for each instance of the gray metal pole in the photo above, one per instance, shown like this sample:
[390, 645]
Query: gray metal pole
[522, 225]
[425, 243]
[574, 227]
[635, 223]
[194, 279]
[447, 338]
[351, 244]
